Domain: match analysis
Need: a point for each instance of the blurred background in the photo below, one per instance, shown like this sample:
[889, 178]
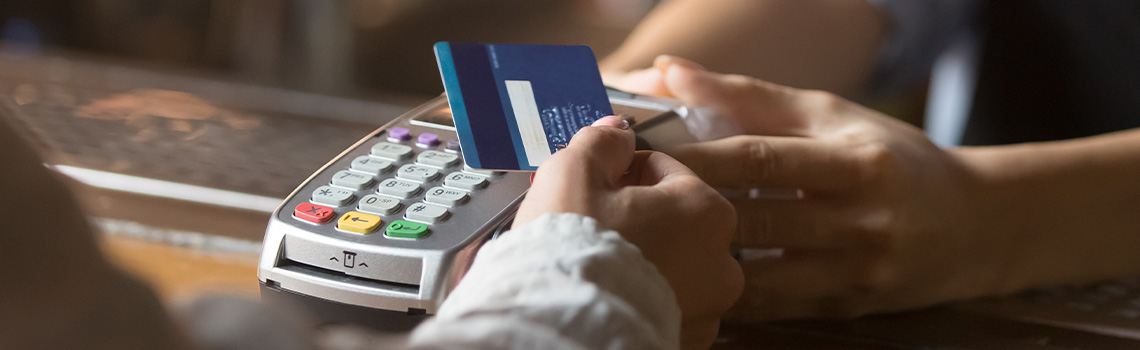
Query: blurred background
[183, 123]
[347, 47]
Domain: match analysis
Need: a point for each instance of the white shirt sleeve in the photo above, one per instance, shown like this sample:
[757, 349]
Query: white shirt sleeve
[558, 282]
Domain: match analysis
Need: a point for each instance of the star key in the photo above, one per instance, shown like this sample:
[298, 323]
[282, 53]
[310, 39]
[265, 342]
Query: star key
[332, 196]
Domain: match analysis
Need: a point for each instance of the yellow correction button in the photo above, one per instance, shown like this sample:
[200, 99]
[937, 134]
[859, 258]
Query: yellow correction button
[358, 222]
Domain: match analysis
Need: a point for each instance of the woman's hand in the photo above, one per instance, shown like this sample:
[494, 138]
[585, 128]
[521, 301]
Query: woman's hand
[883, 221]
[680, 224]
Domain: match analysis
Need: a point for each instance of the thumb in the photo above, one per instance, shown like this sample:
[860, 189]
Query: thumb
[597, 154]
[648, 81]
[757, 106]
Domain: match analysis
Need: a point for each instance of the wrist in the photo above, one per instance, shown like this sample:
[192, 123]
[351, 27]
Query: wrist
[995, 215]
[1060, 212]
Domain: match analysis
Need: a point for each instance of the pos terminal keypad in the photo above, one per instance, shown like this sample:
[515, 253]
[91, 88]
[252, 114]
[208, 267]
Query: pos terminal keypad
[374, 194]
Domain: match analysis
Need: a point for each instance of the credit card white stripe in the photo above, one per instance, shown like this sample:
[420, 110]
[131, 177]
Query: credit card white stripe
[530, 126]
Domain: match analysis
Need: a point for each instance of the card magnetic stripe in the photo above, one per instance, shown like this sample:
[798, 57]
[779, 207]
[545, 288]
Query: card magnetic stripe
[478, 94]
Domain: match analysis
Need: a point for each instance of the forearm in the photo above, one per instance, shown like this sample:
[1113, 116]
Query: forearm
[1064, 212]
[829, 45]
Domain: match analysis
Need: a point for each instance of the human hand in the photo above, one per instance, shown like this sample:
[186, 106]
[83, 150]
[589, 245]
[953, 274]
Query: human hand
[882, 222]
[647, 81]
[654, 202]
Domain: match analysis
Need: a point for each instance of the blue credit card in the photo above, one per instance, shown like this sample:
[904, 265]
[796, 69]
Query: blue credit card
[515, 105]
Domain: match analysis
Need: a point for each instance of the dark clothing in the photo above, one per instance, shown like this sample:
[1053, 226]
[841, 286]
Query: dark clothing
[1056, 69]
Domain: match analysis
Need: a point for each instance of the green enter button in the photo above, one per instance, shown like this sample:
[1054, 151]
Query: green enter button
[406, 229]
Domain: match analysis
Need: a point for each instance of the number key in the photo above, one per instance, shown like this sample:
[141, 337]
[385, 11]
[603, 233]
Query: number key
[437, 159]
[345, 178]
[366, 164]
[391, 151]
[417, 173]
[379, 204]
[398, 188]
[476, 171]
[464, 181]
[445, 196]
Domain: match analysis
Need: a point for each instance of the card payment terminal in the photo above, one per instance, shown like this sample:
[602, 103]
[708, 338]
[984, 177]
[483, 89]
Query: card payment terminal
[382, 232]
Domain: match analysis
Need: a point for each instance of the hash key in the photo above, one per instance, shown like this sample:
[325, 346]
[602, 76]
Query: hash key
[428, 213]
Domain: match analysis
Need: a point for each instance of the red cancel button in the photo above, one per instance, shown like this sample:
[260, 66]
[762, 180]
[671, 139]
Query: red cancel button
[313, 213]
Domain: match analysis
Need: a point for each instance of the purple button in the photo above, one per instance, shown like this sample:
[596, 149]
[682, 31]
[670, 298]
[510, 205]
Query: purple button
[453, 145]
[428, 139]
[399, 134]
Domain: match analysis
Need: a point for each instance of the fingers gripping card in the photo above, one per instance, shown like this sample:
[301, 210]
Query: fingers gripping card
[515, 105]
